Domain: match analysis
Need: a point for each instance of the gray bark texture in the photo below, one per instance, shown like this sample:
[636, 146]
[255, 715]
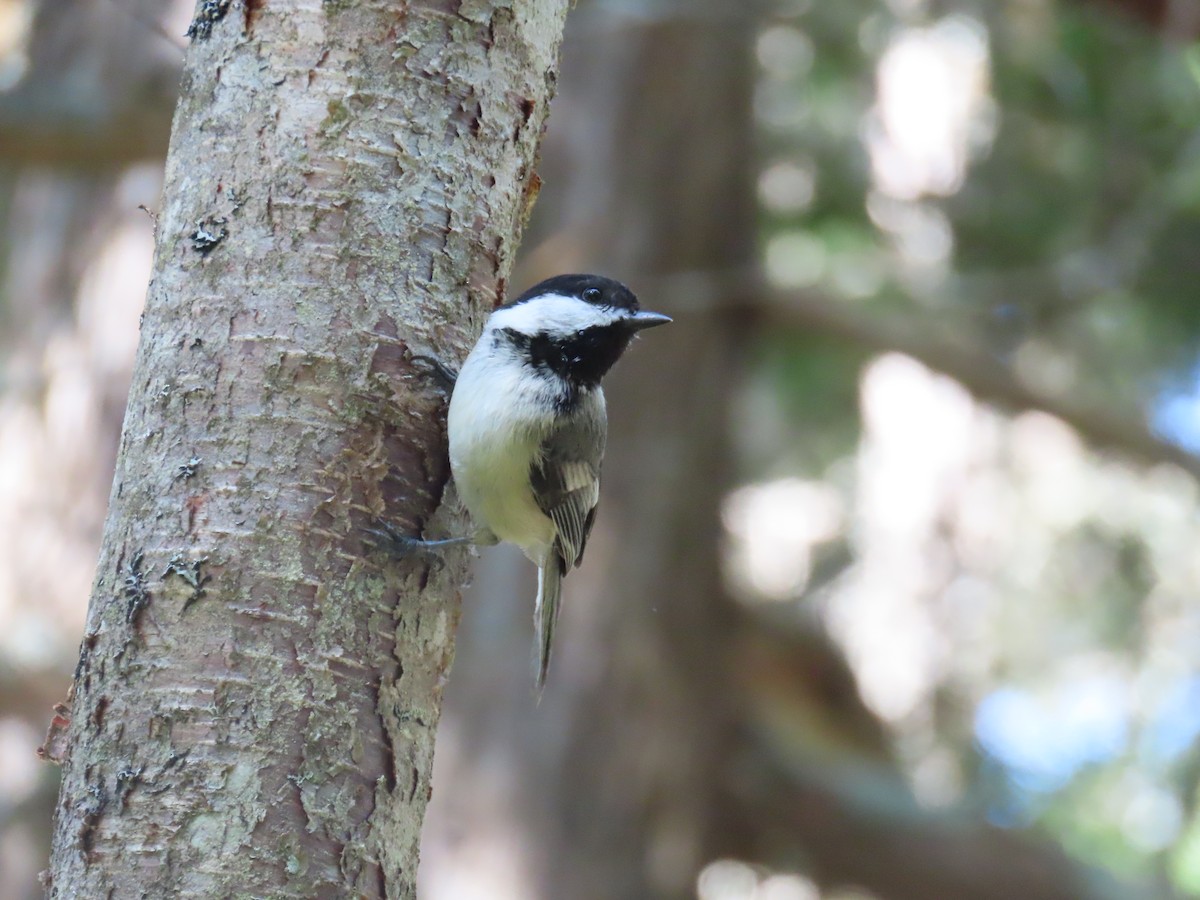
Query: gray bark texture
[256, 696]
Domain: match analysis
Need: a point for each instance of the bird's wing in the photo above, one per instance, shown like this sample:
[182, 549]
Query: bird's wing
[565, 477]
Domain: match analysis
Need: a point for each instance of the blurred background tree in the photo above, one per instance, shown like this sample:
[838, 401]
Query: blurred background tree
[895, 589]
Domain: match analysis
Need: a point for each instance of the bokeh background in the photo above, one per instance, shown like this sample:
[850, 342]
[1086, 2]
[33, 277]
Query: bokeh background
[895, 587]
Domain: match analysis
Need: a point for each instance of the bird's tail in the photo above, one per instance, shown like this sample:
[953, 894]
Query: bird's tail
[545, 617]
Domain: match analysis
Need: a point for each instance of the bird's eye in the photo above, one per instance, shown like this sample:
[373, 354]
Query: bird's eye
[592, 295]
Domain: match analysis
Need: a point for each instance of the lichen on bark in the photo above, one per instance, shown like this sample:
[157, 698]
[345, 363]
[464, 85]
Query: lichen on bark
[257, 693]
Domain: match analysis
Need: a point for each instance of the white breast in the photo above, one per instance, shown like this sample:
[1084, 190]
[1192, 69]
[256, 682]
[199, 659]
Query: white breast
[496, 424]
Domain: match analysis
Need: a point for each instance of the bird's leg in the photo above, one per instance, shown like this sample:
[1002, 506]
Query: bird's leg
[442, 374]
[403, 545]
[390, 538]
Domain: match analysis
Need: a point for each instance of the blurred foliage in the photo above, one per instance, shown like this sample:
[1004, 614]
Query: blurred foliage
[1067, 247]
[1077, 222]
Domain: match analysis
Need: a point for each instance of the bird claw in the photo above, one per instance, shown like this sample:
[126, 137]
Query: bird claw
[403, 546]
[442, 374]
[388, 537]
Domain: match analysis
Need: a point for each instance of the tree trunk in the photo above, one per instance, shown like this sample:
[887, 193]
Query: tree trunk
[256, 696]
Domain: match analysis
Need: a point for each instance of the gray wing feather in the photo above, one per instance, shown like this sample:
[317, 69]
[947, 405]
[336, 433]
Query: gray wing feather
[566, 479]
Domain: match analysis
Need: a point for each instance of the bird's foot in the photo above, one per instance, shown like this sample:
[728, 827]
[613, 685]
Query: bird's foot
[403, 546]
[443, 376]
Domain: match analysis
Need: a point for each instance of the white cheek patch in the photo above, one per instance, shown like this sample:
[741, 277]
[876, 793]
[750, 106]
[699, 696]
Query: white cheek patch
[554, 314]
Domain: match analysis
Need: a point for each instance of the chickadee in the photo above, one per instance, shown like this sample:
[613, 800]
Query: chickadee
[527, 426]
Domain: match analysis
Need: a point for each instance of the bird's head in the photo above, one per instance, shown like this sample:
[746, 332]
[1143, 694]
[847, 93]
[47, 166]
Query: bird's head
[576, 326]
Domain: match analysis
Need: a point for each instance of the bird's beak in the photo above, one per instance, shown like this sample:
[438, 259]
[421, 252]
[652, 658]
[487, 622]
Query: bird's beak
[641, 320]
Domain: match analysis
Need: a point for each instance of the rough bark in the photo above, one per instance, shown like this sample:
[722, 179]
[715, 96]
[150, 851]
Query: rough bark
[256, 695]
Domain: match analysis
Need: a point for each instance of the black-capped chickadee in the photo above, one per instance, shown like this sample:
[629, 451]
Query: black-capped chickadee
[527, 426]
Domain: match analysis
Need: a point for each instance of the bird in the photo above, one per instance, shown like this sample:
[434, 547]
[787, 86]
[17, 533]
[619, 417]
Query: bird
[527, 427]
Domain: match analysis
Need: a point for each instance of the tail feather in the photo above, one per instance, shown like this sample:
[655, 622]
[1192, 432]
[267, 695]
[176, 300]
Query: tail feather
[545, 617]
